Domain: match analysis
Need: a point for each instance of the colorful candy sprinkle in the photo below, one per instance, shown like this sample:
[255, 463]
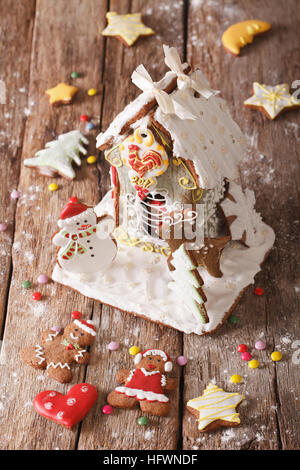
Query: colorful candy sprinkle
[233, 319]
[3, 227]
[90, 126]
[246, 356]
[56, 328]
[15, 194]
[134, 350]
[75, 75]
[235, 379]
[76, 314]
[92, 92]
[26, 284]
[53, 187]
[253, 364]
[84, 118]
[91, 159]
[260, 345]
[113, 346]
[258, 291]
[107, 409]
[276, 356]
[181, 360]
[42, 279]
[36, 296]
[143, 421]
[242, 348]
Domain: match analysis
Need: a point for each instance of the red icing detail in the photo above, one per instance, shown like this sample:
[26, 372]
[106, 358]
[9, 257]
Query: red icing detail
[133, 147]
[113, 175]
[72, 208]
[258, 291]
[36, 296]
[242, 348]
[68, 409]
[76, 314]
[148, 383]
[70, 346]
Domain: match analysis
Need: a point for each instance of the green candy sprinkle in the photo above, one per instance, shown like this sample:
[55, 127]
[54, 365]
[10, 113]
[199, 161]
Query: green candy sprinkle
[233, 319]
[143, 421]
[75, 75]
[26, 284]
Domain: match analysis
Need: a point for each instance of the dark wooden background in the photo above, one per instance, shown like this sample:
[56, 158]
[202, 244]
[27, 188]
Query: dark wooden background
[41, 43]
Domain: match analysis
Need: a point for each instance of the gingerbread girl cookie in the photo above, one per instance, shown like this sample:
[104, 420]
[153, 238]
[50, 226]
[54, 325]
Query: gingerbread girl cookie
[146, 384]
[60, 348]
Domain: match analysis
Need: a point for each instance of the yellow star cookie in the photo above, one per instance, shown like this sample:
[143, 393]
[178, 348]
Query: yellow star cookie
[240, 34]
[215, 408]
[271, 99]
[61, 94]
[128, 28]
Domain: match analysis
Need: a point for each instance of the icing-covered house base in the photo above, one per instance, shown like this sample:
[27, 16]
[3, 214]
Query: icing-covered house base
[174, 153]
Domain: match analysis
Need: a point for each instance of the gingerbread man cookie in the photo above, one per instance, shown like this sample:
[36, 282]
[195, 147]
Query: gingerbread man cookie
[60, 348]
[146, 384]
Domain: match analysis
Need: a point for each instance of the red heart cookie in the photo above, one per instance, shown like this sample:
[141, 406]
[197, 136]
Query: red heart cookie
[68, 409]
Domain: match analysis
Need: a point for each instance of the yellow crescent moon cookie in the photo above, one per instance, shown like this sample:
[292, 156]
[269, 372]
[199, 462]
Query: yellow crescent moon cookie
[240, 34]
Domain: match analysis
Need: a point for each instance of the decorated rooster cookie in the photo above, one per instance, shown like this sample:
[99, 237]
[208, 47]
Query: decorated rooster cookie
[86, 245]
[146, 384]
[58, 349]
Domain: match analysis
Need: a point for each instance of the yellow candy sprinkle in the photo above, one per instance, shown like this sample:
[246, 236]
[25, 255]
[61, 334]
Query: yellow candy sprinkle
[53, 187]
[253, 364]
[276, 356]
[91, 159]
[235, 379]
[92, 92]
[134, 350]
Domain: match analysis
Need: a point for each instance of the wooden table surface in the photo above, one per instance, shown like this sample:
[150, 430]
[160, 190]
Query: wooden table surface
[42, 42]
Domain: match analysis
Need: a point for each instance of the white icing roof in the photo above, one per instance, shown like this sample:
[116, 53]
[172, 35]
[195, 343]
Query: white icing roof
[212, 141]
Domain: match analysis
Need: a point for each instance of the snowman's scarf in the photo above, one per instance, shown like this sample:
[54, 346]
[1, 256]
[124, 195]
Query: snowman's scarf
[74, 247]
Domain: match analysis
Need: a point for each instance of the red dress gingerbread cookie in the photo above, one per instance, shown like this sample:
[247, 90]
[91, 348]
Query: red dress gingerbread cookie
[146, 384]
[60, 348]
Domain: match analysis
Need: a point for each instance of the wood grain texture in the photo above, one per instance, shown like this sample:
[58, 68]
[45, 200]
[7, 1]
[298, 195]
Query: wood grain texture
[50, 44]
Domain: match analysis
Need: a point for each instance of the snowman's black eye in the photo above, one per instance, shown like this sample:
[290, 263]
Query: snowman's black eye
[85, 221]
[77, 223]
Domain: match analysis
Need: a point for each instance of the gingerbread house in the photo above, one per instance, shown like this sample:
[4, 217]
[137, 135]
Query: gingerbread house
[189, 238]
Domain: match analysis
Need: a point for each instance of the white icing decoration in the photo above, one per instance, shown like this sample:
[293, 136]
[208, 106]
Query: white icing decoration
[71, 401]
[142, 394]
[84, 327]
[79, 354]
[94, 251]
[84, 388]
[39, 352]
[52, 394]
[247, 219]
[48, 405]
[60, 415]
[155, 352]
[238, 264]
[273, 99]
[58, 155]
[51, 336]
[58, 364]
[216, 404]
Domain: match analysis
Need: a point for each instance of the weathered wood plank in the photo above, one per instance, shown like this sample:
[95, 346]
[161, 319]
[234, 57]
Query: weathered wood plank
[66, 38]
[15, 42]
[268, 416]
[120, 430]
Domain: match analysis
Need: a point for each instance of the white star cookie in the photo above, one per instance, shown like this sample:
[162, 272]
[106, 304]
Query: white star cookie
[215, 408]
[271, 99]
[128, 28]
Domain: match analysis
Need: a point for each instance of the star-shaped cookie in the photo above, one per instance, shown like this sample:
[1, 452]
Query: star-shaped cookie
[61, 94]
[215, 408]
[272, 100]
[128, 28]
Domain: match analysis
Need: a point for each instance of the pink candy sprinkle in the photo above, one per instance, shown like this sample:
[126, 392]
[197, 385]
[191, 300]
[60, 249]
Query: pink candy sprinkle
[107, 409]
[15, 194]
[113, 346]
[56, 328]
[246, 356]
[3, 227]
[181, 360]
[260, 345]
[42, 279]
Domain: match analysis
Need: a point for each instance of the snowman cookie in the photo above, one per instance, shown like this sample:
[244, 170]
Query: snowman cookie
[86, 245]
